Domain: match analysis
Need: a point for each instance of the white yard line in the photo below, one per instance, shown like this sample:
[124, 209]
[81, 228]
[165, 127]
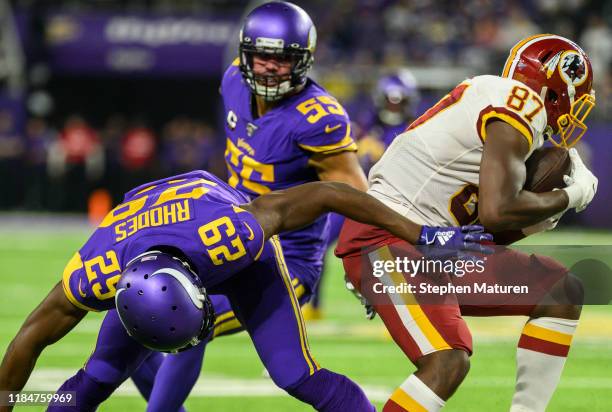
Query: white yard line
[214, 385]
[207, 386]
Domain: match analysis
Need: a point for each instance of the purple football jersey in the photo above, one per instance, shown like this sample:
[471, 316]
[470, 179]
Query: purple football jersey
[194, 212]
[374, 137]
[271, 152]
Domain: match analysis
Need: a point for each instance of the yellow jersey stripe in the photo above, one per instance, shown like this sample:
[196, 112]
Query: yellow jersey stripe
[226, 327]
[547, 334]
[225, 316]
[298, 287]
[511, 120]
[73, 265]
[432, 334]
[260, 250]
[73, 300]
[416, 312]
[280, 261]
[146, 189]
[299, 291]
[297, 303]
[238, 209]
[347, 143]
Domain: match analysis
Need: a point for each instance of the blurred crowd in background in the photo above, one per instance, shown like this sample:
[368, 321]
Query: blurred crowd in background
[56, 168]
[64, 134]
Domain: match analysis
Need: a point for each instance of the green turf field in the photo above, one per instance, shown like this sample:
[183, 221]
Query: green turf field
[31, 261]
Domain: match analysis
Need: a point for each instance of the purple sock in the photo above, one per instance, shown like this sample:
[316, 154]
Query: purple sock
[89, 393]
[327, 391]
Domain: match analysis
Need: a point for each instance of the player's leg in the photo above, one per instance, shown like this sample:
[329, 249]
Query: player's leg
[265, 301]
[115, 357]
[175, 378]
[165, 381]
[434, 337]
[544, 345]
[313, 309]
[540, 358]
[553, 305]
[144, 376]
[178, 373]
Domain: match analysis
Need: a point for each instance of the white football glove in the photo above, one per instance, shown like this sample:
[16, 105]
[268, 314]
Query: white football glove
[581, 183]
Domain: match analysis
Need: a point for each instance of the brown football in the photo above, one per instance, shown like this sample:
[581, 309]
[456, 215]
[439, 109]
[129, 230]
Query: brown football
[545, 170]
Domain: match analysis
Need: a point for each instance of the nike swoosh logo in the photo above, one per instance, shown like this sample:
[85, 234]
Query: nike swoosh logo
[428, 241]
[83, 294]
[331, 129]
[252, 235]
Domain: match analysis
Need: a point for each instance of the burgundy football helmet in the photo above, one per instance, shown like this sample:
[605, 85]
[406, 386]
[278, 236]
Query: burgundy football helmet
[560, 72]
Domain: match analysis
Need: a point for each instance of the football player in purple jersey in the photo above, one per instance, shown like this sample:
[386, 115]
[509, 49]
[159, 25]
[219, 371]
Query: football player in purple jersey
[161, 256]
[394, 104]
[282, 130]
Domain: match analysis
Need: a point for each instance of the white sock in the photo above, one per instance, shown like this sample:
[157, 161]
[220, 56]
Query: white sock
[413, 395]
[540, 357]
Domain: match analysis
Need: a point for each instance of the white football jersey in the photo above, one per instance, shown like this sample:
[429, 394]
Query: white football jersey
[430, 172]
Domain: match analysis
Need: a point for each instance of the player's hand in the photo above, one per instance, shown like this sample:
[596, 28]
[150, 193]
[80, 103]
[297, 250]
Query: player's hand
[581, 183]
[469, 238]
[370, 312]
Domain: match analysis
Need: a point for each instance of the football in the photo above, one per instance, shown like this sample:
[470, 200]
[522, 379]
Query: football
[545, 170]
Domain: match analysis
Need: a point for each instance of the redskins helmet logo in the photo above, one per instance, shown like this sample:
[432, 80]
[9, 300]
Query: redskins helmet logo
[572, 68]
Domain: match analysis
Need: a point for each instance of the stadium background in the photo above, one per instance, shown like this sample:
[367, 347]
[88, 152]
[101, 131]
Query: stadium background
[99, 96]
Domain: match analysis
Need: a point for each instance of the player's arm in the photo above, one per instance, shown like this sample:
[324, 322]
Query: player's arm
[299, 206]
[502, 202]
[48, 323]
[324, 132]
[340, 167]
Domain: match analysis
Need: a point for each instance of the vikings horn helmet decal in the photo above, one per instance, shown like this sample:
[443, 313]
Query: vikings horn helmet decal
[162, 304]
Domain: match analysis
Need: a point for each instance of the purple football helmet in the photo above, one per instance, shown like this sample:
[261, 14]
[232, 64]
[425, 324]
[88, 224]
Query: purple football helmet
[162, 303]
[396, 97]
[281, 30]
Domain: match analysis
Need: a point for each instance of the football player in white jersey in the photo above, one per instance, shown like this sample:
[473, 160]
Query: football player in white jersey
[463, 161]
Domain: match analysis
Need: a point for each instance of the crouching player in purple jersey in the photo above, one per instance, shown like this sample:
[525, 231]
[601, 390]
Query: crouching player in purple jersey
[156, 258]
